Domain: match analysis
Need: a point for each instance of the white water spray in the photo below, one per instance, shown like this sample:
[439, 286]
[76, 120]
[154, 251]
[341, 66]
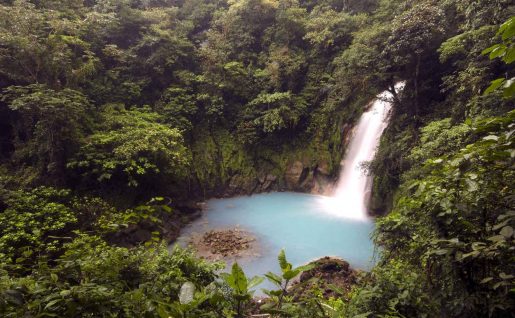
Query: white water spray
[352, 192]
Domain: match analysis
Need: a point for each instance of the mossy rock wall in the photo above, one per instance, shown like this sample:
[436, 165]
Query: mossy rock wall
[222, 166]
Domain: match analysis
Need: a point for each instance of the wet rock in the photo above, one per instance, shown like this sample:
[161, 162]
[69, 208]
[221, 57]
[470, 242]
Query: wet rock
[227, 242]
[308, 180]
[323, 168]
[240, 184]
[293, 174]
[189, 207]
[328, 272]
[268, 180]
[323, 184]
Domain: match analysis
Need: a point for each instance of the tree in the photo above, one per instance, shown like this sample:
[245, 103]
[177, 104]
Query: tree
[506, 52]
[273, 112]
[179, 107]
[132, 148]
[38, 46]
[48, 127]
[416, 34]
[329, 29]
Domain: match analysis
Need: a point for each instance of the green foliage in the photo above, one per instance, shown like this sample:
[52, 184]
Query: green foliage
[241, 287]
[269, 113]
[464, 53]
[200, 65]
[238, 90]
[36, 223]
[179, 108]
[49, 126]
[357, 65]
[390, 162]
[42, 46]
[414, 32]
[464, 44]
[132, 145]
[91, 278]
[278, 111]
[94, 279]
[110, 220]
[393, 289]
[33, 224]
[442, 249]
[280, 301]
[506, 52]
[439, 138]
[327, 28]
[446, 225]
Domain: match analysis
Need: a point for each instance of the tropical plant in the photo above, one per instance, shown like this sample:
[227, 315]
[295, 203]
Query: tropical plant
[506, 52]
[281, 302]
[241, 288]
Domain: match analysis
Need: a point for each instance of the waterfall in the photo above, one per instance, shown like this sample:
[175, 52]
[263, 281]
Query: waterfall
[352, 192]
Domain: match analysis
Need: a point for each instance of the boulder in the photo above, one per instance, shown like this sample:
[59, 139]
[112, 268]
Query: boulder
[267, 182]
[221, 243]
[308, 179]
[240, 184]
[294, 174]
[328, 272]
[323, 168]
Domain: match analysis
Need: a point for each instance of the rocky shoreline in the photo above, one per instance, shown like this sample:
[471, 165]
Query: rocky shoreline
[169, 227]
[299, 176]
[333, 276]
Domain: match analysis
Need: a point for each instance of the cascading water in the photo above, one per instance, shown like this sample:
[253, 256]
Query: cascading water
[298, 222]
[353, 189]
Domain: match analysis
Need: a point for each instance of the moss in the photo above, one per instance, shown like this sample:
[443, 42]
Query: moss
[218, 156]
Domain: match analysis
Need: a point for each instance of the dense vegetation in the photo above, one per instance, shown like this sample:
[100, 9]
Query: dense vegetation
[114, 112]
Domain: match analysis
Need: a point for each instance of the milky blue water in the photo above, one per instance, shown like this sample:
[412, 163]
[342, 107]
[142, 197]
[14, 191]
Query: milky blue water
[308, 226]
[299, 223]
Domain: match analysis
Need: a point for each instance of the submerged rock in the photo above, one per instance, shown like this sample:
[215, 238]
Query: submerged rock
[219, 244]
[227, 242]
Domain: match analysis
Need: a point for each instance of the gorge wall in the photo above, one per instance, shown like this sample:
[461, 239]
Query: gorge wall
[223, 167]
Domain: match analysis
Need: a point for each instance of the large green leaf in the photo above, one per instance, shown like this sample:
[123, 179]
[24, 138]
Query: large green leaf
[282, 261]
[274, 278]
[509, 88]
[240, 280]
[507, 29]
[495, 84]
[509, 57]
[254, 281]
[186, 293]
[306, 267]
[497, 52]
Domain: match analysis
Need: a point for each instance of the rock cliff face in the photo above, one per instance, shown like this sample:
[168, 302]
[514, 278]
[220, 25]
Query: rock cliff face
[223, 167]
[302, 177]
[315, 173]
[298, 176]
